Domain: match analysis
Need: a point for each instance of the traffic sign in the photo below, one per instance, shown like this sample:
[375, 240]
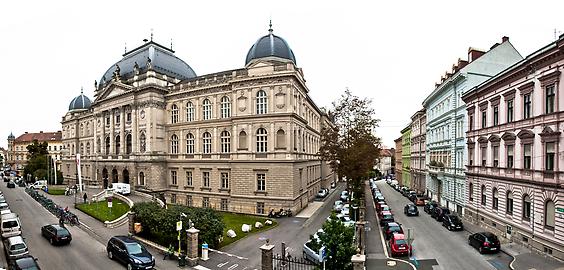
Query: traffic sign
[179, 225]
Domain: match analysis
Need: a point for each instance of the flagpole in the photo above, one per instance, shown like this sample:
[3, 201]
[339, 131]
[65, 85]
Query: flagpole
[79, 172]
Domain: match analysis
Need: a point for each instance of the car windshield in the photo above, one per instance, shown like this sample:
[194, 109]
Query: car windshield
[18, 246]
[134, 248]
[491, 239]
[455, 219]
[10, 224]
[395, 229]
[27, 263]
[400, 242]
[387, 216]
[63, 232]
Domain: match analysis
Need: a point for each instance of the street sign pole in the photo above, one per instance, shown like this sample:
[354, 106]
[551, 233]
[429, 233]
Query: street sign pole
[179, 229]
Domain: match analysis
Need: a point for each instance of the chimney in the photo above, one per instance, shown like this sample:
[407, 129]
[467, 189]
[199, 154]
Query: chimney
[474, 54]
[504, 39]
[26, 132]
[41, 131]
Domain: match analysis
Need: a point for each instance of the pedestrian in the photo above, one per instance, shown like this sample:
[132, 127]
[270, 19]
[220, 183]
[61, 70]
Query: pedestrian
[85, 197]
[67, 191]
[62, 221]
[169, 253]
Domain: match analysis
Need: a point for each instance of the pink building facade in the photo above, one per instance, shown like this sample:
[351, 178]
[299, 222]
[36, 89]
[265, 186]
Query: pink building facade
[515, 181]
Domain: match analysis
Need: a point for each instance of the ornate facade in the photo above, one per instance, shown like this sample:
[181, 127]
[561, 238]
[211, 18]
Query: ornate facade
[418, 166]
[515, 177]
[243, 140]
[16, 154]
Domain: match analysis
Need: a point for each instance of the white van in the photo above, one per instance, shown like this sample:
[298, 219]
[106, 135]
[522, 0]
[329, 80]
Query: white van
[39, 184]
[121, 188]
[11, 225]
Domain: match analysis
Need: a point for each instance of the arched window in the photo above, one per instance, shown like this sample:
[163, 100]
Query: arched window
[174, 144]
[261, 102]
[81, 130]
[225, 107]
[225, 142]
[526, 207]
[118, 144]
[509, 203]
[261, 140]
[280, 139]
[88, 148]
[107, 145]
[207, 109]
[483, 192]
[189, 143]
[81, 149]
[242, 140]
[494, 199]
[98, 145]
[206, 138]
[128, 149]
[141, 179]
[549, 215]
[142, 143]
[174, 114]
[189, 112]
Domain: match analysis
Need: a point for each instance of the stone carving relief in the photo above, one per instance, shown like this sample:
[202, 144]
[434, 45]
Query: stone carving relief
[242, 102]
[280, 98]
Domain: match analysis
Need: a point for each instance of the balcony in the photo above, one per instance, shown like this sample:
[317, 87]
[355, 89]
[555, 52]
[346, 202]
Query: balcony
[436, 169]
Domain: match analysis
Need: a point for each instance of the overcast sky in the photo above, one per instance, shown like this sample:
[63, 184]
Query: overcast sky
[390, 51]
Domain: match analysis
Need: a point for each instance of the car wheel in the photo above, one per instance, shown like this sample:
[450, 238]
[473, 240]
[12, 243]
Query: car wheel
[110, 255]
[481, 250]
[51, 241]
[469, 242]
[129, 267]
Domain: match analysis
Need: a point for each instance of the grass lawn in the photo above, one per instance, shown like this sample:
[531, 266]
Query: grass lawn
[235, 221]
[56, 191]
[101, 212]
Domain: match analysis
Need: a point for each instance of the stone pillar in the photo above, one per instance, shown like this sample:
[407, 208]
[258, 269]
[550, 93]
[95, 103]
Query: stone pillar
[358, 261]
[266, 256]
[192, 246]
[122, 113]
[131, 217]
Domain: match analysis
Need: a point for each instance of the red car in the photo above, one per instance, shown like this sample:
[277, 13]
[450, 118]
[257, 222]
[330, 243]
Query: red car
[399, 246]
[379, 206]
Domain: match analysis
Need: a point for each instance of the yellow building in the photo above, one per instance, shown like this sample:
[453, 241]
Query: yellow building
[17, 148]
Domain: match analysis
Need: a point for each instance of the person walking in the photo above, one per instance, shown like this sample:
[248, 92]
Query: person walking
[169, 253]
[85, 197]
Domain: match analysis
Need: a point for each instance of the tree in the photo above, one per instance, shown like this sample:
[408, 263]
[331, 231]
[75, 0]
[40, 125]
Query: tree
[350, 144]
[338, 241]
[37, 160]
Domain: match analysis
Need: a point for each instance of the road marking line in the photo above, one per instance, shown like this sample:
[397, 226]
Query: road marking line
[221, 252]
[232, 267]
[222, 264]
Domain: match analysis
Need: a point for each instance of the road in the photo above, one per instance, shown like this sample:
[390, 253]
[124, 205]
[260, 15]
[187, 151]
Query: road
[433, 241]
[84, 252]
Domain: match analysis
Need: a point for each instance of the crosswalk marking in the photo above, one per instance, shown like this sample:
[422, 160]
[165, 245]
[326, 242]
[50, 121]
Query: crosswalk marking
[233, 267]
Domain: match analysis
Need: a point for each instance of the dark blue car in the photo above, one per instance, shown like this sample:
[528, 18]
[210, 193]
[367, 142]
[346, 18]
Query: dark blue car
[130, 252]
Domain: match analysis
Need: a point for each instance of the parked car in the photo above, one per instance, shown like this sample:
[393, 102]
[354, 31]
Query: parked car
[391, 228]
[346, 220]
[379, 199]
[56, 234]
[411, 195]
[322, 193]
[344, 196]
[484, 242]
[10, 226]
[333, 185]
[11, 184]
[22, 183]
[338, 206]
[385, 207]
[399, 245]
[309, 253]
[411, 210]
[420, 200]
[452, 223]
[386, 216]
[15, 247]
[25, 263]
[429, 206]
[439, 213]
[129, 252]
[379, 206]
[121, 188]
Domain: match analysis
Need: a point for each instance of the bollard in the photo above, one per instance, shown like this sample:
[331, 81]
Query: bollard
[205, 252]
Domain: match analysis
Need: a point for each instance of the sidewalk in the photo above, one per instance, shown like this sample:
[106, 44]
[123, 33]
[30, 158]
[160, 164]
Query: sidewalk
[524, 258]
[98, 231]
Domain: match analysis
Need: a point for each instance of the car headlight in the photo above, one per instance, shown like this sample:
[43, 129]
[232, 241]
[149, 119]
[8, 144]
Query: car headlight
[137, 261]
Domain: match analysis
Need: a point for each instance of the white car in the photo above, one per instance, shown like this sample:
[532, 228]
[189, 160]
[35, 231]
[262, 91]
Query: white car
[346, 220]
[345, 210]
[338, 206]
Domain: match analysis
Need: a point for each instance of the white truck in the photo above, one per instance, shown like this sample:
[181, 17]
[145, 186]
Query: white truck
[316, 256]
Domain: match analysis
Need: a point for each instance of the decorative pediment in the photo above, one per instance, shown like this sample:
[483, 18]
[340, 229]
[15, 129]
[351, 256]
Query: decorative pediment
[114, 89]
[550, 78]
[493, 138]
[470, 142]
[483, 139]
[525, 134]
[548, 133]
[526, 88]
[508, 136]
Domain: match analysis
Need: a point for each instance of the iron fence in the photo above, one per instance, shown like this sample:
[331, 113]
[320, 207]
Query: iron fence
[280, 262]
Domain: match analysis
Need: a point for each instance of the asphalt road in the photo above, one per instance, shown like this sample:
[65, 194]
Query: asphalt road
[433, 241]
[84, 252]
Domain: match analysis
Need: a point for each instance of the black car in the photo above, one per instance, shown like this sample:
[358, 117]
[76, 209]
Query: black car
[452, 223]
[439, 212]
[390, 228]
[25, 263]
[128, 251]
[484, 242]
[429, 206]
[56, 234]
[21, 183]
[11, 184]
[411, 210]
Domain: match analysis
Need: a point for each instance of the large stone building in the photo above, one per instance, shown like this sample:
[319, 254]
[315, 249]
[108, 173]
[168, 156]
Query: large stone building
[515, 177]
[243, 140]
[446, 121]
[17, 154]
[418, 166]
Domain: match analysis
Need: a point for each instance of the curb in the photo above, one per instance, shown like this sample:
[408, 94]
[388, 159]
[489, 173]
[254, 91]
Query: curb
[501, 250]
[314, 215]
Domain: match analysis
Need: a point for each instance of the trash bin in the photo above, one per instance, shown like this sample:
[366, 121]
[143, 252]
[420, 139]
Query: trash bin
[137, 227]
[182, 259]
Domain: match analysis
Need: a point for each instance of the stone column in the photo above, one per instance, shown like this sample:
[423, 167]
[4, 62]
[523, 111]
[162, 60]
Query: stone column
[134, 130]
[358, 261]
[266, 256]
[192, 246]
[131, 217]
[112, 133]
[122, 130]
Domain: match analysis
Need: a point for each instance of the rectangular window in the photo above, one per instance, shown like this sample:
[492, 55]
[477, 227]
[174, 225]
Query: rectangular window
[549, 157]
[189, 201]
[496, 115]
[173, 198]
[128, 117]
[471, 156]
[484, 153]
[261, 182]
[173, 179]
[471, 122]
[260, 208]
[107, 120]
[509, 150]
[510, 111]
[527, 106]
[206, 179]
[496, 156]
[527, 156]
[224, 205]
[484, 119]
[206, 202]
[189, 180]
[225, 180]
[526, 209]
[495, 203]
[549, 103]
[118, 119]
[509, 205]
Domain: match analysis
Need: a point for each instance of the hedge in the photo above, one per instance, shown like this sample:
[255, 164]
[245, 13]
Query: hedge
[159, 224]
